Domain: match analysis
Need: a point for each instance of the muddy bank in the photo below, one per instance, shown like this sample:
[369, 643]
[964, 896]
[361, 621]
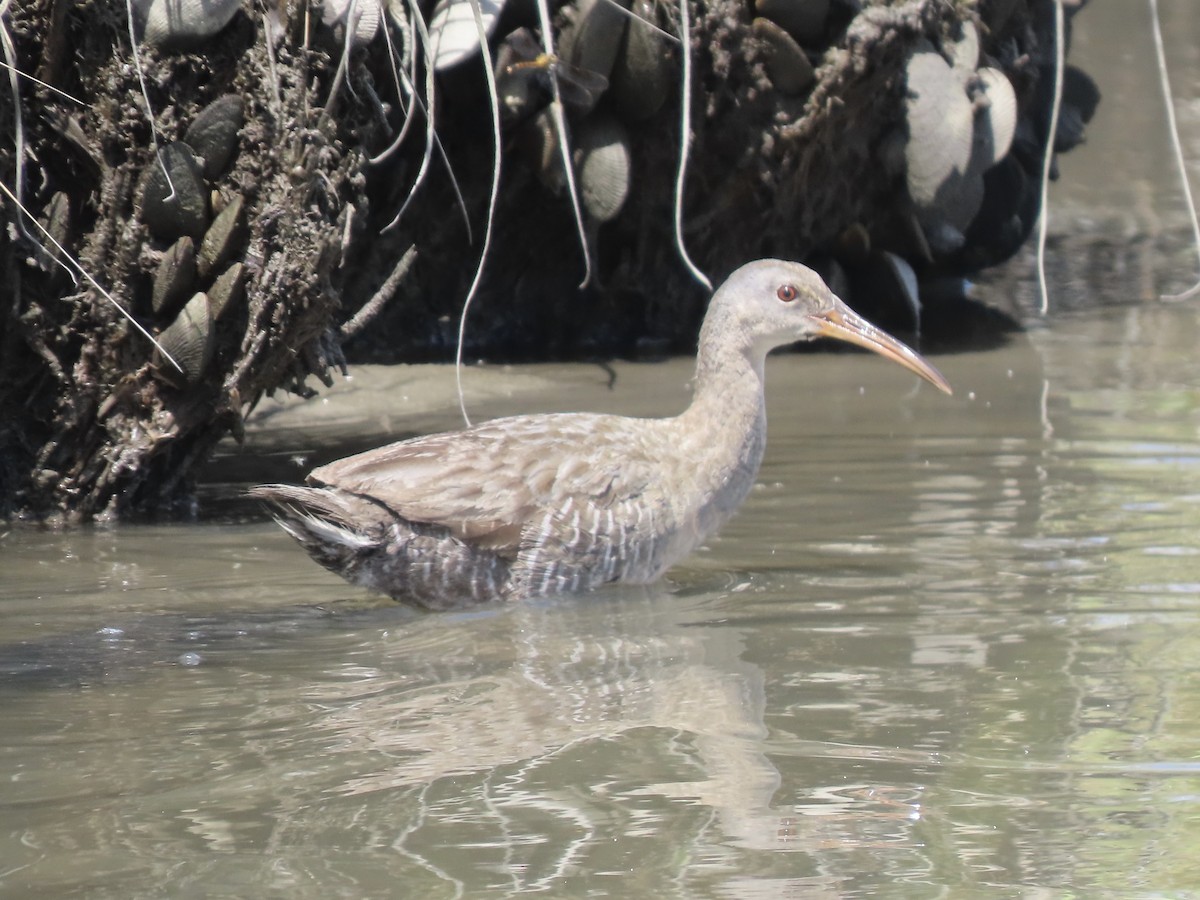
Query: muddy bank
[259, 225]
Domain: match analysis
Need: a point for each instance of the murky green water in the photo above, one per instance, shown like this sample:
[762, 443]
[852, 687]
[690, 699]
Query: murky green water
[949, 644]
[950, 647]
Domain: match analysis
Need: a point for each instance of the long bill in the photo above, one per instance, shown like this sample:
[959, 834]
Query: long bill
[844, 324]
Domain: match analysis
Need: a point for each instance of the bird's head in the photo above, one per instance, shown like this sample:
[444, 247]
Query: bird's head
[770, 303]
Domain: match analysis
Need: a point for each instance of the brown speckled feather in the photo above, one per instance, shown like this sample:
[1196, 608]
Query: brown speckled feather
[488, 483]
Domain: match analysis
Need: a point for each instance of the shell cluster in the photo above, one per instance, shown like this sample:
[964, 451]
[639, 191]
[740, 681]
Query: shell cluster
[960, 120]
[953, 152]
[612, 67]
[957, 116]
[967, 154]
[614, 70]
[197, 280]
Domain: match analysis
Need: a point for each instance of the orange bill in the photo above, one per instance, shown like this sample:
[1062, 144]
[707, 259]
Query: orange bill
[845, 324]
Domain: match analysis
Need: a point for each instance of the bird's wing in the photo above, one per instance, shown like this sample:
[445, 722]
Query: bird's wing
[487, 483]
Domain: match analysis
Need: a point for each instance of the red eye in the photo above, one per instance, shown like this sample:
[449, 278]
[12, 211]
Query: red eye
[787, 293]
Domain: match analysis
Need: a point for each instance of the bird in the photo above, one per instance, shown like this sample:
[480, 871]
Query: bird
[533, 505]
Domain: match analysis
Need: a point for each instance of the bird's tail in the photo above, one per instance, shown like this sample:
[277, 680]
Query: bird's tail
[369, 545]
[333, 527]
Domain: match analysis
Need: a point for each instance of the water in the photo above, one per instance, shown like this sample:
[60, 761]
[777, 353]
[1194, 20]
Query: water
[950, 647]
[949, 643]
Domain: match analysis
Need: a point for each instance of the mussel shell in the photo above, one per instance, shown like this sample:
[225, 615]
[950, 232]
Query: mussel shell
[883, 287]
[944, 188]
[905, 281]
[367, 15]
[453, 35]
[941, 127]
[183, 24]
[642, 73]
[1080, 96]
[223, 237]
[1011, 201]
[191, 339]
[788, 67]
[604, 167]
[594, 38]
[996, 121]
[213, 134]
[227, 291]
[1080, 90]
[187, 211]
[804, 20]
[175, 277]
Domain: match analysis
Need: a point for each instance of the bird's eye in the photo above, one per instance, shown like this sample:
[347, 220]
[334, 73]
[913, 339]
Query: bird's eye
[787, 293]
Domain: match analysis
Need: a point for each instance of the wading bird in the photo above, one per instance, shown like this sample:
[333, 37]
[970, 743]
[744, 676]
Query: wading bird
[540, 504]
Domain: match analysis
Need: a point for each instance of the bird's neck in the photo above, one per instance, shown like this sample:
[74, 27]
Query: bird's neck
[728, 408]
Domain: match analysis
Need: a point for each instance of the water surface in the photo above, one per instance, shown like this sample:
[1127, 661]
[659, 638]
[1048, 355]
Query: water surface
[950, 647]
[949, 643]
